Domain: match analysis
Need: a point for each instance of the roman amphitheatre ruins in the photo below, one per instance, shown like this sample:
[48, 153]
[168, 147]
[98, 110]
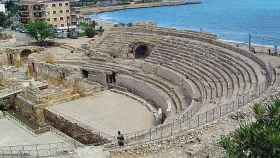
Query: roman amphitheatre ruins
[169, 92]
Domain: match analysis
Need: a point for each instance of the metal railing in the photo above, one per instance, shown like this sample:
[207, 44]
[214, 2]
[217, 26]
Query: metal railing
[9, 91]
[36, 150]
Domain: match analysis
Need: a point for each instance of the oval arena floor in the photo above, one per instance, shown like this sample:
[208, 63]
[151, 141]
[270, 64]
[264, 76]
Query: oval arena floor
[107, 112]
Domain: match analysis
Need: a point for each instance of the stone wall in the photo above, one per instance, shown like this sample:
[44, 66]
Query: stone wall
[145, 90]
[175, 78]
[73, 130]
[97, 76]
[56, 74]
[16, 56]
[28, 110]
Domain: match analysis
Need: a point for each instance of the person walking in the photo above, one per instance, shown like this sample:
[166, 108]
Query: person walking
[120, 139]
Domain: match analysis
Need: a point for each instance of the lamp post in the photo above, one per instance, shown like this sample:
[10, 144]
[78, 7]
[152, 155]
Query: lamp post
[250, 40]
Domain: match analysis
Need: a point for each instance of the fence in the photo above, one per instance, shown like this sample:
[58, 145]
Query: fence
[191, 120]
[37, 150]
[10, 91]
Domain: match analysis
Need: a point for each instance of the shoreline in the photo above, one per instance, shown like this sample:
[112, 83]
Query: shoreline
[96, 10]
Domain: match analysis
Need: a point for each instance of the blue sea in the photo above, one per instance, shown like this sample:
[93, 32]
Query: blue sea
[229, 19]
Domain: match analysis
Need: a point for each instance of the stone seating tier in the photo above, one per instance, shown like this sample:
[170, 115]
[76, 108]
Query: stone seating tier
[176, 99]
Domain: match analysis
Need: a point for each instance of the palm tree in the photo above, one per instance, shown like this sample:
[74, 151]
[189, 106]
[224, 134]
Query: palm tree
[260, 139]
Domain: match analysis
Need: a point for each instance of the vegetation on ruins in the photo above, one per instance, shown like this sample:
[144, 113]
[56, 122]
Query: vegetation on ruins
[40, 31]
[260, 138]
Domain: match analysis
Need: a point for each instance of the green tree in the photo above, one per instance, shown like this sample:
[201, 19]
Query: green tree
[40, 31]
[89, 29]
[12, 8]
[90, 32]
[259, 139]
[5, 20]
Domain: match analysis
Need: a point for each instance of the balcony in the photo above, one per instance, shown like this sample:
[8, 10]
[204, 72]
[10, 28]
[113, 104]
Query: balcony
[39, 14]
[38, 7]
[24, 8]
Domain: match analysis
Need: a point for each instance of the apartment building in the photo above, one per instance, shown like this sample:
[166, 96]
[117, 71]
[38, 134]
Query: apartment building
[31, 11]
[58, 13]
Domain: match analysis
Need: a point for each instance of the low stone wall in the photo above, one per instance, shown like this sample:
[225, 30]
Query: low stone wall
[26, 109]
[83, 135]
[145, 90]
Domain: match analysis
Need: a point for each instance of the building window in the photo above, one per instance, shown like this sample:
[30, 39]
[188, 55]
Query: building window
[66, 4]
[60, 4]
[53, 5]
[55, 19]
[55, 25]
[61, 18]
[62, 25]
[49, 19]
[68, 17]
[54, 12]
[61, 11]
[67, 11]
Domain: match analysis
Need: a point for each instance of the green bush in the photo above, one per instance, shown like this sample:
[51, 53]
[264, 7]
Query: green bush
[40, 31]
[259, 139]
[90, 32]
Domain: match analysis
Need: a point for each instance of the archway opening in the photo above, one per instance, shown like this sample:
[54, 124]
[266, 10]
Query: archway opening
[85, 73]
[141, 51]
[24, 54]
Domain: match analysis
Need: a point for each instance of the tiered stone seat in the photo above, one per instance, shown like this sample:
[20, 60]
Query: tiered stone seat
[116, 42]
[198, 49]
[212, 83]
[184, 71]
[154, 93]
[223, 65]
[214, 71]
[174, 93]
[169, 88]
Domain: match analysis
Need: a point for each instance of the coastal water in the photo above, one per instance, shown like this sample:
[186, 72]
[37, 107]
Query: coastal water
[229, 19]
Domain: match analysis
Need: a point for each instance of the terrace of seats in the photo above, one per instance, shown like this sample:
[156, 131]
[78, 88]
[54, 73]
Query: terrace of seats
[185, 69]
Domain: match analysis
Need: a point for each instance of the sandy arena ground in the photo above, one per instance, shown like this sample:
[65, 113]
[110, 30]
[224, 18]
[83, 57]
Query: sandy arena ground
[108, 112]
[13, 134]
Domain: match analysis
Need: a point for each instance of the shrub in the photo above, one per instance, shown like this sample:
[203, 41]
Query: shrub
[40, 31]
[257, 139]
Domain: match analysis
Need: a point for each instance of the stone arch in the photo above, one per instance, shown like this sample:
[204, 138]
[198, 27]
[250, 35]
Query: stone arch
[24, 54]
[141, 50]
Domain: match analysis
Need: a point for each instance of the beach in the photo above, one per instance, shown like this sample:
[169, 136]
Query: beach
[95, 10]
